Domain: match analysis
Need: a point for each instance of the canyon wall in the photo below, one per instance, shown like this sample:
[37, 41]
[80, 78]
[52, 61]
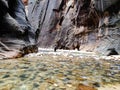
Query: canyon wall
[92, 25]
[17, 37]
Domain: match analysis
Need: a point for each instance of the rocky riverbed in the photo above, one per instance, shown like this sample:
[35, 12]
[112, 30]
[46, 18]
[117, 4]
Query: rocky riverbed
[61, 70]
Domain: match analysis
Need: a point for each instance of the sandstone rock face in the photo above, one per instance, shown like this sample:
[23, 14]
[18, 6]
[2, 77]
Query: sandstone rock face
[44, 20]
[68, 24]
[16, 32]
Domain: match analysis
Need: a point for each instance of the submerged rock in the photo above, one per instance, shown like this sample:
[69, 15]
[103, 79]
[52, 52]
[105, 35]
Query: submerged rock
[84, 87]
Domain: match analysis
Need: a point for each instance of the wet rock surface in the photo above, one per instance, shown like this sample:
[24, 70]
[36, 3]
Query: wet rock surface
[61, 70]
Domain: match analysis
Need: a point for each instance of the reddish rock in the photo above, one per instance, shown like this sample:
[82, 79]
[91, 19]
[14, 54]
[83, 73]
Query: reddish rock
[84, 87]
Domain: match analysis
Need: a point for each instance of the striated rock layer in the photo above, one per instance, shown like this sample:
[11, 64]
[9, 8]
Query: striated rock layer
[17, 37]
[83, 24]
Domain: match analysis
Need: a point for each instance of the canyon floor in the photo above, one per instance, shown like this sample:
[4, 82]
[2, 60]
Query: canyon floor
[61, 70]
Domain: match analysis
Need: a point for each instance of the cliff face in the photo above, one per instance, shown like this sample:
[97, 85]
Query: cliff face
[83, 24]
[17, 36]
[44, 20]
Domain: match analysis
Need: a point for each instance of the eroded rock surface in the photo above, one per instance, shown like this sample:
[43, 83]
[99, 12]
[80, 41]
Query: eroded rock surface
[88, 24]
[15, 30]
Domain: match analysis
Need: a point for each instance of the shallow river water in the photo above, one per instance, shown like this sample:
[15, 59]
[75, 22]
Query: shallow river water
[61, 70]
